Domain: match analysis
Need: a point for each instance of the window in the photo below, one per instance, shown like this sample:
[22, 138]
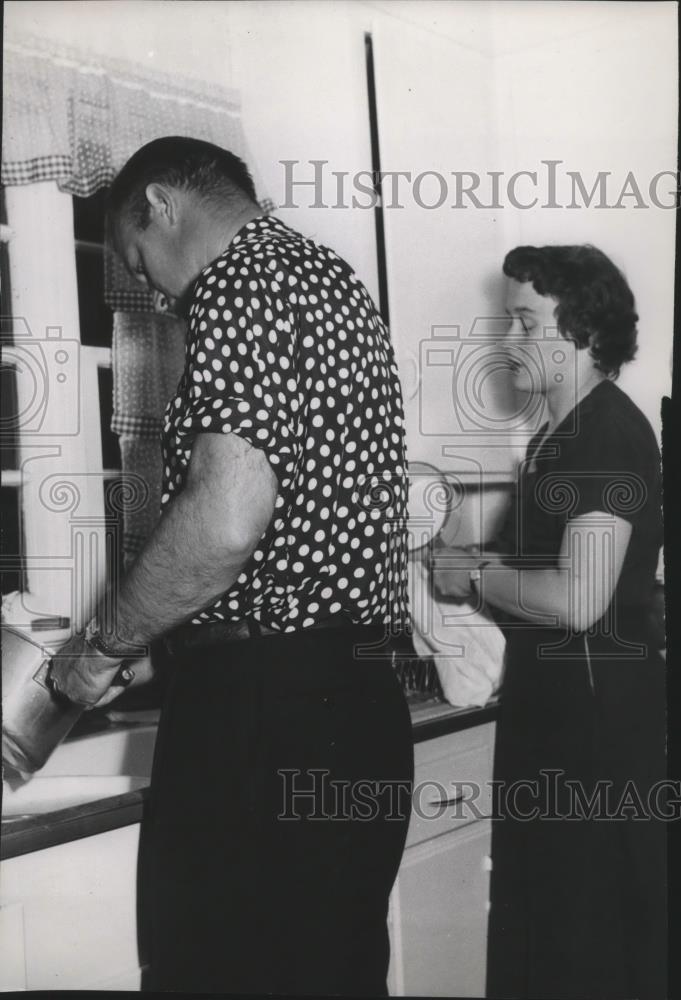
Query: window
[12, 575]
[96, 331]
[62, 461]
[96, 319]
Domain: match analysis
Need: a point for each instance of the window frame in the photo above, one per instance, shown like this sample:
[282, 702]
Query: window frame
[61, 477]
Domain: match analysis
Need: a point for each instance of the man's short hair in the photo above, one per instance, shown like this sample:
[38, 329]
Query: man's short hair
[180, 162]
[595, 306]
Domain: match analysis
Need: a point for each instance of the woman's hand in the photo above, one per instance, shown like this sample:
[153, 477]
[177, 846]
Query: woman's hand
[450, 572]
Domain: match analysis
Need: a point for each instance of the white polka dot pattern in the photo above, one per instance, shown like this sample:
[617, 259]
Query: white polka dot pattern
[286, 349]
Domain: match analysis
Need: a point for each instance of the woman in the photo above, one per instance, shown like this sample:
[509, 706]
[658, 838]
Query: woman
[578, 850]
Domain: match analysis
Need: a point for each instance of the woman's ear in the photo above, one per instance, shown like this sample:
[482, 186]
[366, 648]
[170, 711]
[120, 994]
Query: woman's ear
[592, 343]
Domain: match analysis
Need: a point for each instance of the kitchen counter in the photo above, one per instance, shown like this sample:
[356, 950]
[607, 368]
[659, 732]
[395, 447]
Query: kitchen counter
[22, 834]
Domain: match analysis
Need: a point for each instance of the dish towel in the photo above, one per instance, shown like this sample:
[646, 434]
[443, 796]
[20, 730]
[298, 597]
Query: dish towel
[465, 643]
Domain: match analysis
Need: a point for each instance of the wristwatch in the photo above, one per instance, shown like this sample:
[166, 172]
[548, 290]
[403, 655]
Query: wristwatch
[96, 641]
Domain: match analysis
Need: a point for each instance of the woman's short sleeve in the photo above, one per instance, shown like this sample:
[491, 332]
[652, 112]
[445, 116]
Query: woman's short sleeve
[613, 466]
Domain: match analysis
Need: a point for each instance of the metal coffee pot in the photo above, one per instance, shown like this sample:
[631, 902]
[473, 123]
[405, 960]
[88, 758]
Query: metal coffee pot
[34, 719]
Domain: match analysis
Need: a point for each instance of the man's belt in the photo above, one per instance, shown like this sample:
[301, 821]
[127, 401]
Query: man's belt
[215, 633]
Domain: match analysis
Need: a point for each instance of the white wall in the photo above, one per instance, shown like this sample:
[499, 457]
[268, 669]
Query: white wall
[436, 116]
[599, 92]
[301, 72]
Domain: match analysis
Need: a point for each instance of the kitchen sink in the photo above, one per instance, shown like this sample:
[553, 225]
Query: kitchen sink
[92, 766]
[124, 748]
[41, 794]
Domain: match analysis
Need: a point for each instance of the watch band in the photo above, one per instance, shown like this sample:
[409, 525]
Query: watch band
[96, 641]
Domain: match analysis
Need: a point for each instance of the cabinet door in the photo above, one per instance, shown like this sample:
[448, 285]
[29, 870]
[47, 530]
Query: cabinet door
[439, 916]
[78, 907]
[12, 948]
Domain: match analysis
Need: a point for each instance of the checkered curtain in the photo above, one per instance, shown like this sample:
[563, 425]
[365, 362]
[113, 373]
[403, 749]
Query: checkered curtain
[148, 358]
[75, 118]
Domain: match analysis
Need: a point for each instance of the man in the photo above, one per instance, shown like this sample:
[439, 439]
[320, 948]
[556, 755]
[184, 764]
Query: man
[278, 575]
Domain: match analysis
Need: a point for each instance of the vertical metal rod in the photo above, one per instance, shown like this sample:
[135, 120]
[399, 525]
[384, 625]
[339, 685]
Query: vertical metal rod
[378, 188]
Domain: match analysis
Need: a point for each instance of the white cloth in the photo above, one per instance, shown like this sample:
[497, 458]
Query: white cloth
[465, 643]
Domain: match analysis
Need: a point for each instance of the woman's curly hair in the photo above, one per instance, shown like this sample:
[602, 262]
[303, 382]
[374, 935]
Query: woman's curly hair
[596, 307]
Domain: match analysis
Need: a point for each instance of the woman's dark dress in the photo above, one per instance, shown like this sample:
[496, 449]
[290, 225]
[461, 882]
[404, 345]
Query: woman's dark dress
[578, 904]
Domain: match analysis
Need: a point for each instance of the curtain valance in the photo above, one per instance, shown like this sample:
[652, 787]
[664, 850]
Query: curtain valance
[75, 118]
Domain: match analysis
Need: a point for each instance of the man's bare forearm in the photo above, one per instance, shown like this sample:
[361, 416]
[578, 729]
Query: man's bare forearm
[184, 567]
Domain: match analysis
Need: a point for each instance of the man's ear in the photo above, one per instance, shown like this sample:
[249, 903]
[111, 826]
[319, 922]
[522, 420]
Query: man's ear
[162, 202]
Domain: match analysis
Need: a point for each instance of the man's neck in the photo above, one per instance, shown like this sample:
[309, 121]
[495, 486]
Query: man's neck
[221, 229]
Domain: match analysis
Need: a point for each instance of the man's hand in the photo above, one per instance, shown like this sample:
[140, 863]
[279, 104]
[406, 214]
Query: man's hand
[82, 675]
[130, 675]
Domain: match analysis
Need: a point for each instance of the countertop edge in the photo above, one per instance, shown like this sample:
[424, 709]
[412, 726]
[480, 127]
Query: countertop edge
[66, 825]
[62, 826]
[454, 721]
